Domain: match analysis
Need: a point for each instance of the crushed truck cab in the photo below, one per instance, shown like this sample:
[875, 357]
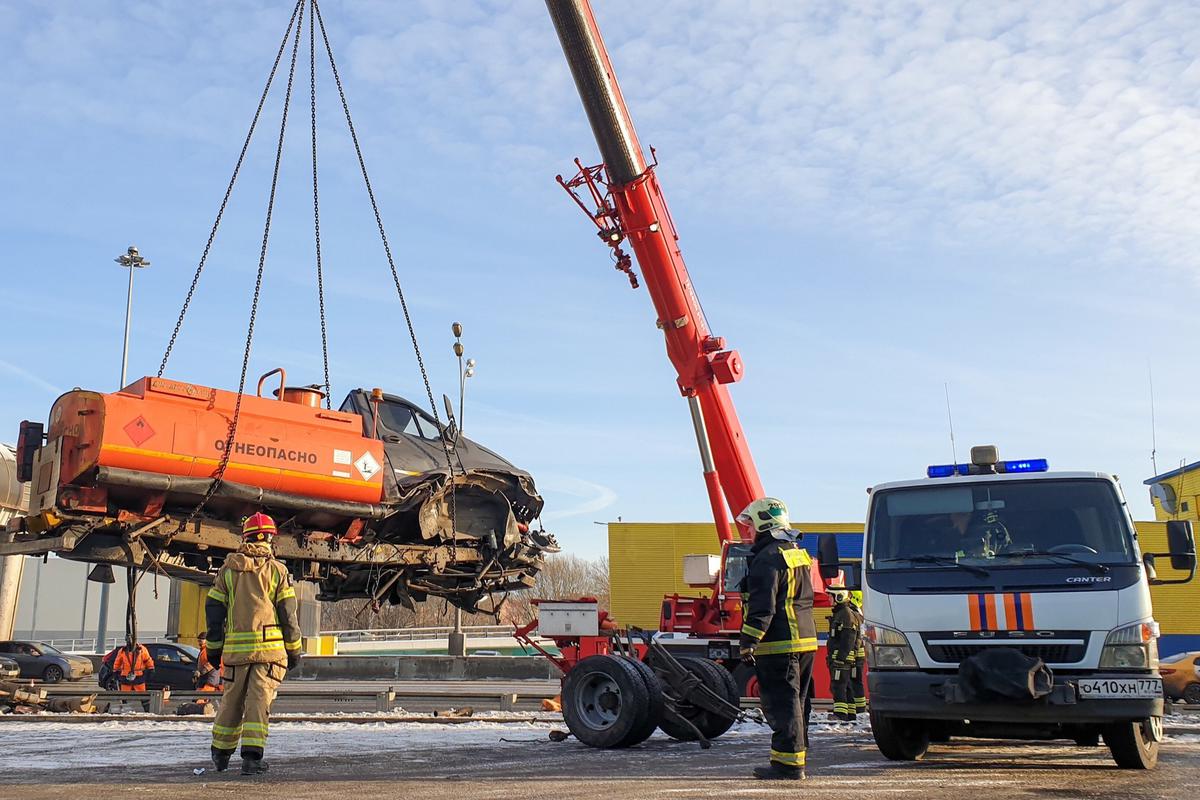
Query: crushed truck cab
[1003, 600]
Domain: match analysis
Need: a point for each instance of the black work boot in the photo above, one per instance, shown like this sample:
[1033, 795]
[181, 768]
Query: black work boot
[254, 766]
[778, 772]
[220, 759]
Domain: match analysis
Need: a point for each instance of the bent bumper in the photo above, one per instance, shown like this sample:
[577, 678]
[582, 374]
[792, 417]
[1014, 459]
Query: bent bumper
[923, 695]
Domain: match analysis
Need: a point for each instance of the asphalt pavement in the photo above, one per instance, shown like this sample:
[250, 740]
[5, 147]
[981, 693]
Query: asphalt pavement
[519, 761]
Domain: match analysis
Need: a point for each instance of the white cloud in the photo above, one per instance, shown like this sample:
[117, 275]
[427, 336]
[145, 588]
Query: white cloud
[1063, 124]
[584, 497]
[28, 377]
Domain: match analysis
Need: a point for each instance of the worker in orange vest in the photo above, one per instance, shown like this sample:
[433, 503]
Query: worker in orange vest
[207, 676]
[133, 666]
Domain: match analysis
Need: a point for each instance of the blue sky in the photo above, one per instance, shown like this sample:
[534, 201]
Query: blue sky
[875, 199]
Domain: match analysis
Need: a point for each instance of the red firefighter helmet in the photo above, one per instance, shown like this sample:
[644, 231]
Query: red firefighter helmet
[258, 528]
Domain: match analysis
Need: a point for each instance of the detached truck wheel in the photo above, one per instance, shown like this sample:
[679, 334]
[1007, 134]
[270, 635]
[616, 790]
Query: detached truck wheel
[1133, 744]
[654, 704]
[607, 702]
[900, 739]
[718, 680]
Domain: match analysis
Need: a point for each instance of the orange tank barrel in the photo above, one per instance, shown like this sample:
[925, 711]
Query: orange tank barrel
[304, 395]
[170, 427]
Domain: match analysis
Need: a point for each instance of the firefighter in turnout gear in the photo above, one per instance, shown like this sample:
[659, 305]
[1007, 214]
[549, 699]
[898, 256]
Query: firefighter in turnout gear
[253, 631]
[857, 687]
[778, 635]
[845, 625]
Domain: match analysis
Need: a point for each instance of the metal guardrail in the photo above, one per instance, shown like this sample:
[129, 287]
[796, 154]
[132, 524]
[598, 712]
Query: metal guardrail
[87, 645]
[420, 634]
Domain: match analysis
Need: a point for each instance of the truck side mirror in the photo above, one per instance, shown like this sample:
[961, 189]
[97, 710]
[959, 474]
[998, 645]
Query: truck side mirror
[827, 555]
[1151, 572]
[852, 575]
[1182, 544]
[450, 432]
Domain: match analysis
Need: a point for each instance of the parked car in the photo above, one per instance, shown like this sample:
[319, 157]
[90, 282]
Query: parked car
[40, 660]
[1181, 677]
[173, 667]
[9, 669]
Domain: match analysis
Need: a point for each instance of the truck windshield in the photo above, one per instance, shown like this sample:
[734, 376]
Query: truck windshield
[1005, 523]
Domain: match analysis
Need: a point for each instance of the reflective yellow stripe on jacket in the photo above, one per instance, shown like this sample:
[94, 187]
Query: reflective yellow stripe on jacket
[797, 557]
[752, 632]
[787, 646]
[285, 591]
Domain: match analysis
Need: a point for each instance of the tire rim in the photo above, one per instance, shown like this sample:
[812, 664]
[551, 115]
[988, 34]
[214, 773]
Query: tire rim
[1152, 731]
[752, 687]
[598, 701]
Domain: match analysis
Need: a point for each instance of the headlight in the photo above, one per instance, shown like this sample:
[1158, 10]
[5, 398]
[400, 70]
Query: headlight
[888, 648]
[1131, 647]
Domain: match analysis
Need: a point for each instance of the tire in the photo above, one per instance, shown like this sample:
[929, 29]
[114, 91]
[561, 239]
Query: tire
[654, 704]
[899, 739]
[719, 681]
[1191, 694]
[746, 681]
[606, 702]
[52, 673]
[1131, 744]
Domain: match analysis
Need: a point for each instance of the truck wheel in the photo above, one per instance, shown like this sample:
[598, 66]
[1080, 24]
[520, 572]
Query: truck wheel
[1191, 694]
[746, 681]
[1131, 744]
[899, 739]
[606, 701]
[654, 703]
[717, 679]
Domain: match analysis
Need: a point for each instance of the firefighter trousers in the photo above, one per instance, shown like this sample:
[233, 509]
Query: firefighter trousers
[857, 690]
[246, 708]
[782, 684]
[839, 687]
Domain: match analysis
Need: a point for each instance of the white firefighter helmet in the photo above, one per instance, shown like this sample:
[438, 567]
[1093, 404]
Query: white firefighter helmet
[765, 514]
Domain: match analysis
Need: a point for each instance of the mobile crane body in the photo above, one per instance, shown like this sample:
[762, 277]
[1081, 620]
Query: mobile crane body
[623, 198]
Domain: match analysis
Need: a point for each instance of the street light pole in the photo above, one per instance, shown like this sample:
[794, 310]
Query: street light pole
[131, 259]
[457, 642]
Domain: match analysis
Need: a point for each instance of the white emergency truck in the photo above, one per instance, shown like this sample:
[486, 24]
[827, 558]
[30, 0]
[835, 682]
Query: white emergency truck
[1003, 600]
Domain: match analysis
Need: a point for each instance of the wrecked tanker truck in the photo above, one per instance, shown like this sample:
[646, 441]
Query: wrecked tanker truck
[375, 500]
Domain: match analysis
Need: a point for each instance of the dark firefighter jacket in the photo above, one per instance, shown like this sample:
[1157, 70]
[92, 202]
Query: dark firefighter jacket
[251, 609]
[845, 634]
[777, 608]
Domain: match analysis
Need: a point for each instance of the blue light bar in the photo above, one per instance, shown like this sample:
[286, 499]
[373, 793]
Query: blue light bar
[1028, 465]
[948, 470]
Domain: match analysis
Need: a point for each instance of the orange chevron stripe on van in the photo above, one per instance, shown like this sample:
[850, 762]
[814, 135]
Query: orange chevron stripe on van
[982, 610]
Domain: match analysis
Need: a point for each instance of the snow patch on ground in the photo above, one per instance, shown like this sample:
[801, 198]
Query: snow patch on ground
[44, 745]
[137, 742]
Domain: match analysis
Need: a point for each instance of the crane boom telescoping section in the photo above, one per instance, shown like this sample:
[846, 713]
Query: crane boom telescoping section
[702, 363]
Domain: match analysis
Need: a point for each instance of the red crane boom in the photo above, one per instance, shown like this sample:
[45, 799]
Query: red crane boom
[629, 206]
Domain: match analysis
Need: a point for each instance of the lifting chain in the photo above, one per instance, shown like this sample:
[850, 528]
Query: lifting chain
[296, 23]
[223, 464]
[312, 104]
[187, 301]
[387, 249]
